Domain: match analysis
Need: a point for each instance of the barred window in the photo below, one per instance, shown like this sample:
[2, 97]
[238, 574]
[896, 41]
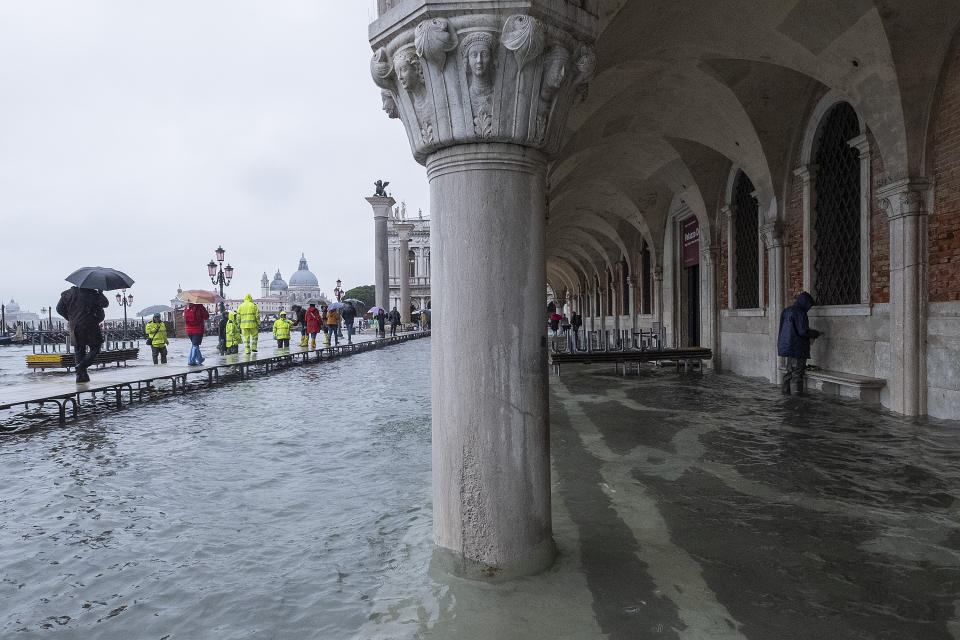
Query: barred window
[746, 267]
[412, 261]
[624, 287]
[646, 304]
[836, 224]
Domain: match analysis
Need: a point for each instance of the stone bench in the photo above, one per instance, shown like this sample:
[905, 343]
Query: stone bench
[865, 389]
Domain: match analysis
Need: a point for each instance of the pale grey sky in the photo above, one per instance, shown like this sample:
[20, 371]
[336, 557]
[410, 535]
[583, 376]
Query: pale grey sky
[140, 135]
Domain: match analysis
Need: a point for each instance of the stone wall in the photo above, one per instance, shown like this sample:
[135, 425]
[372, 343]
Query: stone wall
[943, 353]
[944, 223]
[745, 344]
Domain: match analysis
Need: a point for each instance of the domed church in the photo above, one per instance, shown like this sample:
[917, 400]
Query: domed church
[303, 285]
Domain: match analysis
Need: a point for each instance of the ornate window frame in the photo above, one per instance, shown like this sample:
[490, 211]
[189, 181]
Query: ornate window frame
[727, 213]
[807, 172]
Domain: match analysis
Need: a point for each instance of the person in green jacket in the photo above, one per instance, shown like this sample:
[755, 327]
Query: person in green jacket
[281, 331]
[157, 339]
[249, 314]
[234, 334]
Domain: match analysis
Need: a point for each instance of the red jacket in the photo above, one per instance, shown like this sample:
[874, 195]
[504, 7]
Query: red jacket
[314, 320]
[195, 315]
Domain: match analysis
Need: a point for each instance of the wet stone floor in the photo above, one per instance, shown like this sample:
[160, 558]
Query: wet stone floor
[710, 506]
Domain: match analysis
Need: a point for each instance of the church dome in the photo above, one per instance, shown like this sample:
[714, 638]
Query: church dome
[278, 284]
[13, 307]
[303, 277]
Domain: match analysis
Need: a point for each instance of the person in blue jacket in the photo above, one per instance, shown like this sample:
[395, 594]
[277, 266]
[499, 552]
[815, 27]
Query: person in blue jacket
[794, 340]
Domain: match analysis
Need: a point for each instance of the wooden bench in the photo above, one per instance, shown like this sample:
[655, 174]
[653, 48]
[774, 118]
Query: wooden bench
[67, 359]
[867, 389]
[632, 356]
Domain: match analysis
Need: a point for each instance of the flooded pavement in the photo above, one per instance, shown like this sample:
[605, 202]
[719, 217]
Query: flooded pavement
[297, 505]
[711, 507]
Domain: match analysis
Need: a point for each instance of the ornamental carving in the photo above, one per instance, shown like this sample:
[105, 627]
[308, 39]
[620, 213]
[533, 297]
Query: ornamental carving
[482, 78]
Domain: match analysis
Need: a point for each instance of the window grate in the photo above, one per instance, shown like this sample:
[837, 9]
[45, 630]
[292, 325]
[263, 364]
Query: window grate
[646, 303]
[746, 268]
[837, 221]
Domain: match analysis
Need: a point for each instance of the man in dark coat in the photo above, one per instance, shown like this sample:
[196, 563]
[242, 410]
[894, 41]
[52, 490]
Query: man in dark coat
[348, 314]
[83, 309]
[382, 323]
[793, 342]
[394, 321]
[575, 323]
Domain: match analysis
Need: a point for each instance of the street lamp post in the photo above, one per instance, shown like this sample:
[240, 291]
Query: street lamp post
[337, 291]
[220, 275]
[125, 301]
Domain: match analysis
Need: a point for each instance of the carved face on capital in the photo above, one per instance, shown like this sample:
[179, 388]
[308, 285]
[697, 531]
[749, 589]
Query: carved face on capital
[408, 70]
[478, 58]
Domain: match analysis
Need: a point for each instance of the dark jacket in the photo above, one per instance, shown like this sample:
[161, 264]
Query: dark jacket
[222, 326]
[83, 309]
[394, 317]
[575, 321]
[301, 315]
[382, 318]
[348, 313]
[795, 332]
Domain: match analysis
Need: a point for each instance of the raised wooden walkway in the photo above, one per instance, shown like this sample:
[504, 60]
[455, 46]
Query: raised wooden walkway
[130, 383]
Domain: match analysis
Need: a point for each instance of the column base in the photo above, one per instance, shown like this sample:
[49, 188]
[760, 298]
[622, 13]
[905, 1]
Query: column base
[536, 560]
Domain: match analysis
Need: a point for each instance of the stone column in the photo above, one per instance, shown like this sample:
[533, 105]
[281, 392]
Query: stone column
[905, 203]
[404, 233]
[483, 94]
[773, 236]
[381, 266]
[631, 290]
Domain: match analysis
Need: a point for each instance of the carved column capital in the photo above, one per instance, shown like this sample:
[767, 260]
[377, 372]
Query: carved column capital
[381, 205]
[773, 234]
[904, 198]
[404, 230]
[458, 78]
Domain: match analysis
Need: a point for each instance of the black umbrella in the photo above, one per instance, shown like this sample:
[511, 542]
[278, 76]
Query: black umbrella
[102, 278]
[157, 308]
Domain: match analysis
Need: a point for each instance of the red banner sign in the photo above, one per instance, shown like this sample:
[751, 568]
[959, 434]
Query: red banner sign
[691, 242]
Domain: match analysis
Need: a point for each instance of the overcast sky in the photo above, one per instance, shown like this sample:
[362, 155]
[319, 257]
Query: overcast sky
[140, 135]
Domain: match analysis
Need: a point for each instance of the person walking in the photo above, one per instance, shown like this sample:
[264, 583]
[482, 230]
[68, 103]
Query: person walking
[314, 324]
[234, 334]
[382, 323]
[83, 309]
[394, 321]
[575, 323]
[333, 322]
[348, 316]
[793, 342]
[249, 314]
[195, 316]
[423, 320]
[223, 321]
[157, 339]
[281, 331]
[300, 321]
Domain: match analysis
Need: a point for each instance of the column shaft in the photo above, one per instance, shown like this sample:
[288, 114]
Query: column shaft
[491, 468]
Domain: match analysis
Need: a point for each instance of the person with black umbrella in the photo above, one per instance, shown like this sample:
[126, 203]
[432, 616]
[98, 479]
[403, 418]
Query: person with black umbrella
[83, 309]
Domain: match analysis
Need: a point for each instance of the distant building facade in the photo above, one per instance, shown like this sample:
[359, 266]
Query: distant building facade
[416, 264]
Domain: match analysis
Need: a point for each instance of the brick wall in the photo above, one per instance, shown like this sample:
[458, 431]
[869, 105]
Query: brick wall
[879, 230]
[794, 236]
[943, 273]
[723, 259]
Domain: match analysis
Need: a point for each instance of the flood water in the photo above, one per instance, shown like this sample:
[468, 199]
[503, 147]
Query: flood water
[261, 509]
[296, 505]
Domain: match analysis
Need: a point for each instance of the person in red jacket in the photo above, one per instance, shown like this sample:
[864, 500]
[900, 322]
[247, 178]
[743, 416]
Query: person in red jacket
[314, 324]
[195, 316]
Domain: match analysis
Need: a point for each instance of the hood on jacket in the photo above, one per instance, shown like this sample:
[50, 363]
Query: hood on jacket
[804, 301]
[248, 298]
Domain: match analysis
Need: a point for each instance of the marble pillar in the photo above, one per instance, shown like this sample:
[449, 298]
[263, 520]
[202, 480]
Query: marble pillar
[774, 239]
[404, 233]
[905, 204]
[483, 95]
[381, 273]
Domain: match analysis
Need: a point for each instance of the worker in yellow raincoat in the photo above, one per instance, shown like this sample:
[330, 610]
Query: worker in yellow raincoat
[281, 331]
[234, 334]
[157, 339]
[249, 314]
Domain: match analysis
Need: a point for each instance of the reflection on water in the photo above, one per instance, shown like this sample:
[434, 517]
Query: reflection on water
[267, 508]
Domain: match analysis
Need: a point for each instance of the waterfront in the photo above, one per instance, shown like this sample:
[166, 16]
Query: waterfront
[266, 508]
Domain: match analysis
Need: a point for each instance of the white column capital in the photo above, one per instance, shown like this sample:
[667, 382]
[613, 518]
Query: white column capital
[404, 231]
[773, 234]
[904, 198]
[455, 78]
[806, 172]
[381, 205]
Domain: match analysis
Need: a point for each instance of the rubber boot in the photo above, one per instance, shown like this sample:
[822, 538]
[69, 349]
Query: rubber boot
[200, 357]
[192, 359]
[313, 343]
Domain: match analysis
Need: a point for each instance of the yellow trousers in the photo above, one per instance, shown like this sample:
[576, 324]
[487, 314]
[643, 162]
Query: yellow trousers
[250, 335]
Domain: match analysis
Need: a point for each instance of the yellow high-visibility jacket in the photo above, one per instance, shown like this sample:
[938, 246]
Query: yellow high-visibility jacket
[234, 335]
[281, 329]
[157, 334]
[249, 313]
